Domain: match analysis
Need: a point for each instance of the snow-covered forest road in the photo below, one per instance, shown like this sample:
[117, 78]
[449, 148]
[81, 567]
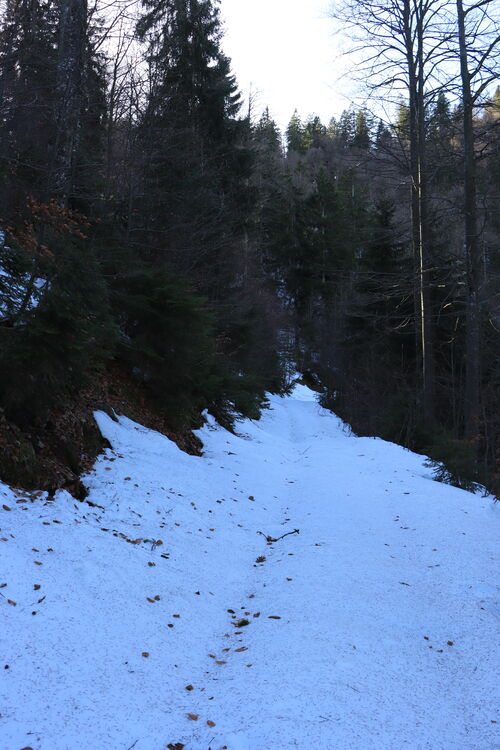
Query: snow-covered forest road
[147, 621]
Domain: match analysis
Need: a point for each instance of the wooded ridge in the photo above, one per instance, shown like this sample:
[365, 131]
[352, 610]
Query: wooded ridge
[163, 254]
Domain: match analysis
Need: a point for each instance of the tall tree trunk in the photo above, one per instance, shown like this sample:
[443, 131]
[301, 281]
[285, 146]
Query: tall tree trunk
[471, 244]
[419, 200]
[71, 53]
[427, 326]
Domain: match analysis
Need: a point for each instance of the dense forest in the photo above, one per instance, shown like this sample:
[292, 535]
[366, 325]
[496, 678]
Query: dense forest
[164, 251]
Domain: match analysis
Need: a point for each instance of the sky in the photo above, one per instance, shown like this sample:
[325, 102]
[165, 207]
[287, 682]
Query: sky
[284, 52]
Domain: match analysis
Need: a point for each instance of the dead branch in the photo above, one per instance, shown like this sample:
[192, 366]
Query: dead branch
[271, 539]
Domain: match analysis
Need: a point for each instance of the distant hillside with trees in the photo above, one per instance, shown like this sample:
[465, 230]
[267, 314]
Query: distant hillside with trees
[163, 253]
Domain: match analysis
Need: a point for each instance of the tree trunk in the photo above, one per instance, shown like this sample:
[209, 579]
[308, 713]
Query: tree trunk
[424, 238]
[471, 246]
[71, 53]
[419, 211]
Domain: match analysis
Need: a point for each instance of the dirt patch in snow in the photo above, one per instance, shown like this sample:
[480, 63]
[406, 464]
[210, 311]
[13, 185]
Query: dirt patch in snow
[52, 455]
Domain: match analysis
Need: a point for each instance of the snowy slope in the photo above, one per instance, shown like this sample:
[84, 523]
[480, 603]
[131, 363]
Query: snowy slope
[387, 599]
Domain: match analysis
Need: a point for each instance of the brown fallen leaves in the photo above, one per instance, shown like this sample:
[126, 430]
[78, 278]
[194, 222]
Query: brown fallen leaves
[195, 717]
[241, 623]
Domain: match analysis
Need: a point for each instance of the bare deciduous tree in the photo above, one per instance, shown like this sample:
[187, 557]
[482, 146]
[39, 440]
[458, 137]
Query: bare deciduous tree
[478, 39]
[405, 46]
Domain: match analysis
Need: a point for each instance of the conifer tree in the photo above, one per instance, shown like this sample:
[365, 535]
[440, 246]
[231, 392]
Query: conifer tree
[346, 128]
[28, 70]
[295, 135]
[332, 128]
[199, 204]
[314, 131]
[266, 134]
[383, 137]
[362, 132]
[193, 156]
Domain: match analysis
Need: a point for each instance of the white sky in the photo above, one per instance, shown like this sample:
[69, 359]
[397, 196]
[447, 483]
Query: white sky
[284, 51]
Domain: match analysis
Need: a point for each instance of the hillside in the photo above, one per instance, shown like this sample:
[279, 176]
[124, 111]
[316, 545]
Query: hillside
[155, 614]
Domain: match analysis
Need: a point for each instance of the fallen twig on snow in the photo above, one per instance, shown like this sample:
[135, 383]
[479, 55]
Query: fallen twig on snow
[270, 539]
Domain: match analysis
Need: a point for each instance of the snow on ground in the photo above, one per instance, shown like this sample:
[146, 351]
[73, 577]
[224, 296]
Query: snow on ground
[374, 628]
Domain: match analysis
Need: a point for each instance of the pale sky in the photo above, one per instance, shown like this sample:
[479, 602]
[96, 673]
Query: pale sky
[285, 52]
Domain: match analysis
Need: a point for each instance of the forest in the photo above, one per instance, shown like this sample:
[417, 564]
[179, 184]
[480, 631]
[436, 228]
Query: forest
[167, 251]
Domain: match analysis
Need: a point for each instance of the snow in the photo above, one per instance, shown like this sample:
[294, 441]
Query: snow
[387, 598]
[13, 290]
[13, 286]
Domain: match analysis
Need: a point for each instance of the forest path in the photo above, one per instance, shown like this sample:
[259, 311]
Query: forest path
[372, 628]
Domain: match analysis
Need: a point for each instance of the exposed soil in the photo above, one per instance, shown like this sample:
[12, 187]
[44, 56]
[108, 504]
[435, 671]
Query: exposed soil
[53, 455]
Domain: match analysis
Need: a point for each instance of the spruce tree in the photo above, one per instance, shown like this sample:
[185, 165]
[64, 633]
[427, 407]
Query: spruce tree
[362, 137]
[314, 132]
[197, 161]
[295, 135]
[28, 71]
[346, 129]
[267, 135]
[193, 160]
